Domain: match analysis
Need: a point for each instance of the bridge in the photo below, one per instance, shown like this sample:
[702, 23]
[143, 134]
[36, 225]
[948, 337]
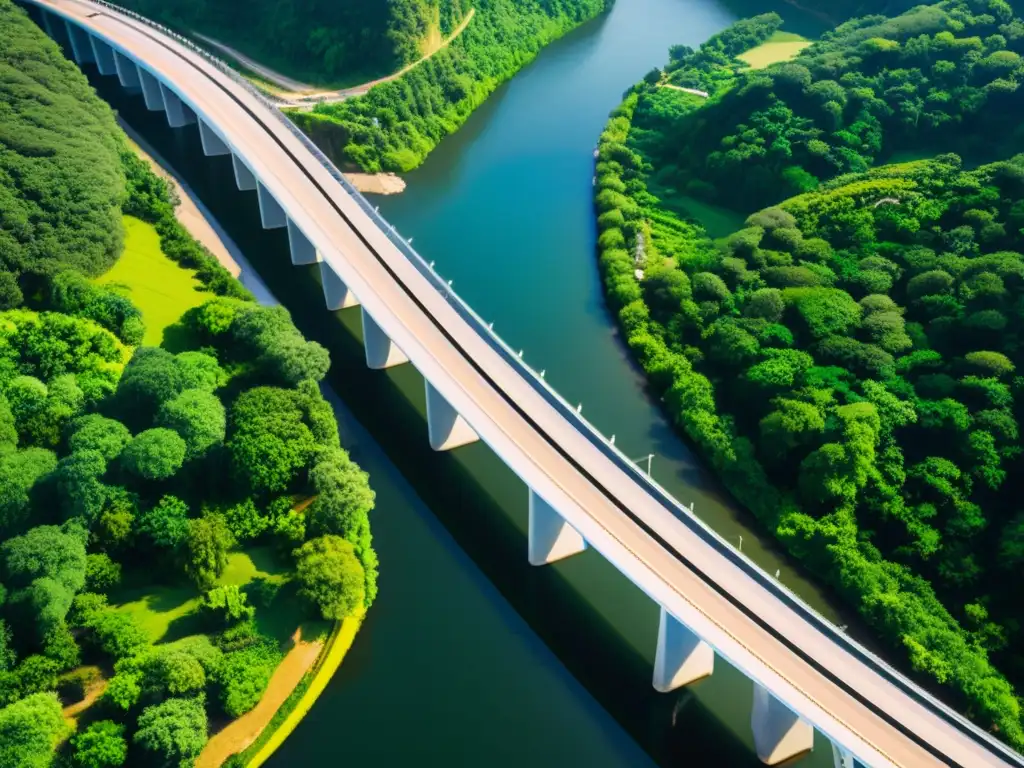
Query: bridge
[806, 674]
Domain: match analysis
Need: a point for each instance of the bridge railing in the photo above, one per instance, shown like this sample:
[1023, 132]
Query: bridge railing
[541, 385]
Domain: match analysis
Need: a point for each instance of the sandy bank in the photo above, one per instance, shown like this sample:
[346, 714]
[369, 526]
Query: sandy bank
[376, 183]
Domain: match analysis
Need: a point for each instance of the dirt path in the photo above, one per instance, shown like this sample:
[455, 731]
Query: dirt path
[694, 91]
[72, 711]
[303, 96]
[265, 72]
[240, 733]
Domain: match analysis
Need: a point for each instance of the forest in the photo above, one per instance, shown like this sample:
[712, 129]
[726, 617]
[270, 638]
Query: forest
[206, 473]
[396, 124]
[847, 358]
[314, 40]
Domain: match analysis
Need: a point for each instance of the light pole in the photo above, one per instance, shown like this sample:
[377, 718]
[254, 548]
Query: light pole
[648, 458]
[741, 541]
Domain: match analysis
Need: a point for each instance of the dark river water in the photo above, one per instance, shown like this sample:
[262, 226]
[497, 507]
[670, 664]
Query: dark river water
[470, 656]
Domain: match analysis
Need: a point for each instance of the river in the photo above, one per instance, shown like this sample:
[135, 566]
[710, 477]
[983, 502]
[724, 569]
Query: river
[470, 656]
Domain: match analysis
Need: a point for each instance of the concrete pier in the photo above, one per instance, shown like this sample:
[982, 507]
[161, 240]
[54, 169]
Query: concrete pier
[178, 114]
[302, 250]
[244, 178]
[81, 48]
[151, 90]
[272, 215]
[336, 293]
[381, 352]
[127, 72]
[447, 429]
[550, 537]
[779, 733]
[681, 657]
[213, 144]
[103, 55]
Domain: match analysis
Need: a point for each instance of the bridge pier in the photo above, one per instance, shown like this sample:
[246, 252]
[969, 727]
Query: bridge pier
[244, 178]
[843, 758]
[682, 657]
[381, 352]
[303, 251]
[445, 427]
[779, 733]
[151, 90]
[178, 113]
[336, 293]
[127, 72]
[272, 215]
[47, 23]
[550, 537]
[81, 49]
[213, 144]
[103, 55]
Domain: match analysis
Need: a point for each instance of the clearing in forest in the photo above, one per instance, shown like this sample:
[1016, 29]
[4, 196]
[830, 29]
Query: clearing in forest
[159, 287]
[781, 46]
[170, 612]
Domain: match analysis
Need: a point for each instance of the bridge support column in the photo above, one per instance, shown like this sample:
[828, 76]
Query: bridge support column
[48, 24]
[843, 758]
[272, 215]
[550, 537]
[336, 293]
[213, 144]
[80, 46]
[127, 72]
[779, 733]
[381, 352]
[244, 178]
[303, 251]
[178, 115]
[682, 657]
[151, 90]
[446, 428]
[103, 55]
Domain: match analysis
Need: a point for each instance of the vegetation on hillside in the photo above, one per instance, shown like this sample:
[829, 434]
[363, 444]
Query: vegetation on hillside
[396, 124]
[847, 361]
[124, 467]
[317, 41]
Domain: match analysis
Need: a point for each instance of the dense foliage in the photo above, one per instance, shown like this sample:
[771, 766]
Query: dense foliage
[396, 124]
[847, 359]
[59, 155]
[312, 39]
[125, 463]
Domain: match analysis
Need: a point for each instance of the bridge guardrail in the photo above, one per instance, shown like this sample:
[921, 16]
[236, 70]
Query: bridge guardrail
[540, 384]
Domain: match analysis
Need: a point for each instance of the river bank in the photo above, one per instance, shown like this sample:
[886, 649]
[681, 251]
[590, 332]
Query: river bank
[310, 662]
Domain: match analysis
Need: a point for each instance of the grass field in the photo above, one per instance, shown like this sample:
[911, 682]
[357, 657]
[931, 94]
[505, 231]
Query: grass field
[156, 285]
[781, 46]
[169, 612]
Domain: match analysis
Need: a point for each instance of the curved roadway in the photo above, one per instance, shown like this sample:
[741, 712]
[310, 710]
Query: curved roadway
[749, 619]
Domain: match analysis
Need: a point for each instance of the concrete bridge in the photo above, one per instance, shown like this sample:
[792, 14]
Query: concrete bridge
[805, 673]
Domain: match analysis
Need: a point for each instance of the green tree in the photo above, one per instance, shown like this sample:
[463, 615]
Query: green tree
[198, 417]
[330, 576]
[207, 545]
[173, 732]
[29, 731]
[101, 745]
[156, 454]
[166, 524]
[98, 433]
